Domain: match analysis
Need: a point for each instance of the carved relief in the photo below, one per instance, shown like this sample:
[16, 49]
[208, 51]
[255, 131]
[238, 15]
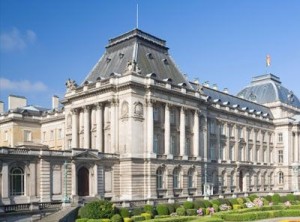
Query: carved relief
[71, 85]
[138, 109]
[124, 109]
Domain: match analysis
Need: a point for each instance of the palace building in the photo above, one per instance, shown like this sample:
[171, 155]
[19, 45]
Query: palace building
[138, 129]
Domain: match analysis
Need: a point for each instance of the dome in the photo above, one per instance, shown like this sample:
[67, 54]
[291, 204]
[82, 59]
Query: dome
[268, 89]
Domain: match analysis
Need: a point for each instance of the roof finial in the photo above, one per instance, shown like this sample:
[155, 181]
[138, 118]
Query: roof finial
[137, 15]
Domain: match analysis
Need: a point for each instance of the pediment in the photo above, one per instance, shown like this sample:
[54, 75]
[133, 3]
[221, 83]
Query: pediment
[87, 154]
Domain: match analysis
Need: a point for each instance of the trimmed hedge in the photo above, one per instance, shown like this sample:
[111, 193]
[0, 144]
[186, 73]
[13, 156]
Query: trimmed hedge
[191, 212]
[276, 198]
[188, 205]
[124, 212]
[162, 209]
[137, 211]
[175, 219]
[137, 218]
[116, 218]
[97, 209]
[82, 220]
[147, 216]
[127, 219]
[180, 211]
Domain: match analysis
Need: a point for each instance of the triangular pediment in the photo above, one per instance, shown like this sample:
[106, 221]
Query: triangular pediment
[85, 154]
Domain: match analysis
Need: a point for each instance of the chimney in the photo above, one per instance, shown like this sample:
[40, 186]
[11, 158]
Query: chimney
[1, 107]
[55, 102]
[16, 101]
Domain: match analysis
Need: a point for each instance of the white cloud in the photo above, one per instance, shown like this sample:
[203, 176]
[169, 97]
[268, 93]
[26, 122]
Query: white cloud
[14, 40]
[22, 85]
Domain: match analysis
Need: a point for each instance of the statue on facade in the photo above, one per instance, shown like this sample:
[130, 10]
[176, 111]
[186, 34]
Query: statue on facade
[132, 67]
[71, 84]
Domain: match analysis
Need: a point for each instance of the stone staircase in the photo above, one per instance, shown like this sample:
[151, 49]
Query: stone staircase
[66, 214]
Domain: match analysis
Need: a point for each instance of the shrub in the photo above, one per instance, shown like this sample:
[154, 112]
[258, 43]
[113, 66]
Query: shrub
[97, 209]
[188, 205]
[233, 201]
[268, 198]
[236, 207]
[149, 209]
[191, 212]
[137, 211]
[240, 201]
[216, 202]
[276, 198]
[162, 209]
[252, 197]
[161, 216]
[283, 199]
[171, 208]
[265, 202]
[137, 218]
[290, 213]
[82, 220]
[116, 218]
[216, 207]
[147, 216]
[207, 203]
[180, 211]
[127, 219]
[124, 212]
[199, 204]
[103, 220]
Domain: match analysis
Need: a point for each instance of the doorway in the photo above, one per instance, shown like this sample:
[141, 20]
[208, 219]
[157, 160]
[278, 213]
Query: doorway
[83, 181]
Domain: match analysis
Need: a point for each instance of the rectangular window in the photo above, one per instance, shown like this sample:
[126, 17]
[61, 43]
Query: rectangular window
[173, 145]
[250, 156]
[280, 156]
[231, 153]
[59, 134]
[51, 135]
[155, 143]
[280, 137]
[155, 114]
[172, 116]
[187, 119]
[27, 136]
[5, 136]
[44, 136]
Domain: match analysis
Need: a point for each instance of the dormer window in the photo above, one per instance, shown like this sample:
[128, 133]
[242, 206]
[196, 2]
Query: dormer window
[165, 61]
[108, 60]
[121, 55]
[150, 56]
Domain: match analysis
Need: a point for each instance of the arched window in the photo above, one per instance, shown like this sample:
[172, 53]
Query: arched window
[280, 177]
[176, 178]
[191, 182]
[16, 181]
[160, 178]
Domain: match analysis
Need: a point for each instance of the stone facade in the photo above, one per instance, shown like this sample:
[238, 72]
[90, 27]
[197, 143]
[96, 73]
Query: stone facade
[133, 134]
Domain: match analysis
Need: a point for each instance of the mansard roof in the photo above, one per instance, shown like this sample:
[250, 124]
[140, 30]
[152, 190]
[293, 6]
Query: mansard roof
[148, 52]
[267, 89]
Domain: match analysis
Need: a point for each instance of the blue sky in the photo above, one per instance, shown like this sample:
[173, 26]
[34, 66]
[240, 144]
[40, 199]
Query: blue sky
[43, 43]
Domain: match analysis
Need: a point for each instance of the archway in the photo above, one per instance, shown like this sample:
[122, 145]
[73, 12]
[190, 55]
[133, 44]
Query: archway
[83, 181]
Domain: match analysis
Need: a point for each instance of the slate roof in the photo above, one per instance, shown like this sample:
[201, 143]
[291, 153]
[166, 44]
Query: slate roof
[267, 89]
[30, 110]
[149, 52]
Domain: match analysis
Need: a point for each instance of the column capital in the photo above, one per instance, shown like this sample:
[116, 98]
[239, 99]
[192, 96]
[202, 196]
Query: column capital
[86, 108]
[150, 102]
[113, 101]
[75, 111]
[99, 105]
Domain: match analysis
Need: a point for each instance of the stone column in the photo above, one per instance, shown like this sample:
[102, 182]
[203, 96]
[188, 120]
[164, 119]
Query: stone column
[167, 131]
[74, 179]
[237, 144]
[5, 179]
[255, 158]
[196, 135]
[268, 147]
[74, 128]
[113, 120]
[205, 138]
[32, 182]
[297, 147]
[99, 129]
[150, 129]
[87, 130]
[183, 152]
[45, 186]
[218, 145]
[96, 194]
[227, 143]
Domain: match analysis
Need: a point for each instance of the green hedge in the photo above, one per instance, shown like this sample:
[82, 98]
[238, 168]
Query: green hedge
[124, 212]
[174, 219]
[116, 218]
[137, 218]
[92, 210]
[82, 220]
[162, 209]
[188, 205]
